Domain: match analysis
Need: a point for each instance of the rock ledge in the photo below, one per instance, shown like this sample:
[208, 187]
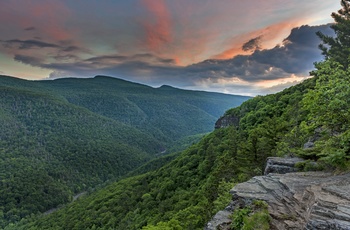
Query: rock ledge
[298, 200]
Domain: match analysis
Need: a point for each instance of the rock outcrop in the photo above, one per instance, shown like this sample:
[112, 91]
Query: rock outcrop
[226, 121]
[298, 200]
[281, 165]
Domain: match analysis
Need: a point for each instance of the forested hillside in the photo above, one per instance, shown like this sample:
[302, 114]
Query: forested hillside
[52, 148]
[166, 113]
[186, 192]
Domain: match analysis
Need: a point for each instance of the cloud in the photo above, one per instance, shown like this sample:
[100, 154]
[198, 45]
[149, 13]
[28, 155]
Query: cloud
[71, 49]
[298, 51]
[259, 72]
[158, 26]
[29, 28]
[268, 37]
[33, 61]
[115, 60]
[66, 58]
[252, 44]
[294, 57]
[27, 44]
[44, 51]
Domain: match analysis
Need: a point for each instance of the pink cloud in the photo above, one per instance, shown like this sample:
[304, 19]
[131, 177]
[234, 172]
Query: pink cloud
[270, 37]
[158, 26]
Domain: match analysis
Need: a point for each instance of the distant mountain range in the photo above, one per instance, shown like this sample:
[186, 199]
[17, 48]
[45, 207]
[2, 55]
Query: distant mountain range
[186, 190]
[61, 137]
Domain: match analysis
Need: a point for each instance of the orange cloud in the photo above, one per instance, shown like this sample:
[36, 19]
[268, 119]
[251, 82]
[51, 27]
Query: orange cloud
[270, 37]
[158, 27]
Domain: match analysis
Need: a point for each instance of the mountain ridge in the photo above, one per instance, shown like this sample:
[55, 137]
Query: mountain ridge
[71, 135]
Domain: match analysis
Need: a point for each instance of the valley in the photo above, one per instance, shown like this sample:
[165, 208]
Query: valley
[63, 137]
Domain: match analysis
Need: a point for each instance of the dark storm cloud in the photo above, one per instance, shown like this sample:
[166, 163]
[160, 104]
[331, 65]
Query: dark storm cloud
[37, 44]
[295, 56]
[243, 67]
[298, 52]
[252, 44]
[33, 61]
[28, 44]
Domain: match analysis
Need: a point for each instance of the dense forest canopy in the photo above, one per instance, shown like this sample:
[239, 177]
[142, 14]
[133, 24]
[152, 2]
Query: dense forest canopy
[62, 137]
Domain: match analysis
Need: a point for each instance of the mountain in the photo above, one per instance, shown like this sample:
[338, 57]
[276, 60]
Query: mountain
[310, 120]
[186, 192]
[62, 137]
[166, 113]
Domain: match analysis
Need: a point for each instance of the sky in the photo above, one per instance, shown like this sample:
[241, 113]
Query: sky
[251, 47]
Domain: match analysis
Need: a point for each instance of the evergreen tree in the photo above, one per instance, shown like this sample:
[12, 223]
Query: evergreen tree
[338, 47]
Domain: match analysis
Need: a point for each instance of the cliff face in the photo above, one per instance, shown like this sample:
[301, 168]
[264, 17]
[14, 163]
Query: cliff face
[226, 121]
[297, 200]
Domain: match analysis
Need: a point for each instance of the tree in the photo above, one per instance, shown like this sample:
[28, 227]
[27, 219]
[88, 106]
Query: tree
[338, 47]
[328, 104]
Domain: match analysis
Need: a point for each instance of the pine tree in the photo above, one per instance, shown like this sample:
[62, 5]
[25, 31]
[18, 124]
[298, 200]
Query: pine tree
[338, 47]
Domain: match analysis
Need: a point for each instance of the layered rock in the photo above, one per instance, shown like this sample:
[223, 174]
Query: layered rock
[281, 165]
[299, 200]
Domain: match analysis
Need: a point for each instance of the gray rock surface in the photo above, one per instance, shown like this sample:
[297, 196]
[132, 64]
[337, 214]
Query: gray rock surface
[281, 165]
[299, 200]
[220, 221]
[309, 145]
[226, 121]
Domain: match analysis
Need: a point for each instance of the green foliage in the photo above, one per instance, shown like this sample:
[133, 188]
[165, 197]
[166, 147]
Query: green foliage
[171, 225]
[238, 217]
[308, 165]
[51, 150]
[167, 114]
[338, 48]
[190, 187]
[336, 151]
[187, 191]
[328, 103]
[224, 197]
[328, 107]
[62, 137]
[194, 185]
[253, 217]
[186, 142]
